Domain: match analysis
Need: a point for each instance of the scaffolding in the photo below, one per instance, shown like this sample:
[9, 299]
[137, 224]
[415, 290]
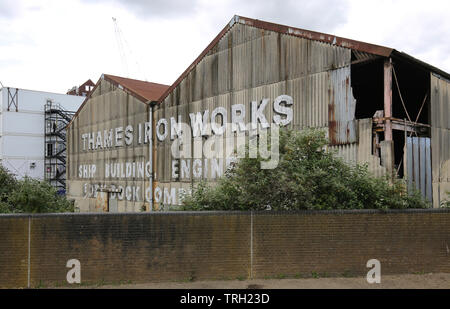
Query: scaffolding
[56, 120]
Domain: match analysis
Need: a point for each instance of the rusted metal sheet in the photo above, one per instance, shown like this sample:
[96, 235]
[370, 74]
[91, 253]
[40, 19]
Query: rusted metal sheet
[362, 56]
[440, 102]
[418, 165]
[399, 124]
[142, 90]
[258, 28]
[362, 51]
[101, 202]
[440, 137]
[312, 35]
[109, 108]
[250, 64]
[365, 153]
[341, 108]
[311, 100]
[248, 61]
[260, 60]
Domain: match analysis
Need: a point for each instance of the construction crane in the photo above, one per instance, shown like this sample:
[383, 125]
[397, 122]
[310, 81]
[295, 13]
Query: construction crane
[123, 47]
[119, 39]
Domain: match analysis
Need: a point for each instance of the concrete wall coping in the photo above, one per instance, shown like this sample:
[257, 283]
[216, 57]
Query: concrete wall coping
[228, 213]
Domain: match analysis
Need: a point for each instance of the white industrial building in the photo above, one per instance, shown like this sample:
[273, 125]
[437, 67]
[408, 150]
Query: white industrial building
[25, 122]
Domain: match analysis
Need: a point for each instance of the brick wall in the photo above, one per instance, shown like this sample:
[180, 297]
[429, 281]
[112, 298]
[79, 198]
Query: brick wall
[180, 246]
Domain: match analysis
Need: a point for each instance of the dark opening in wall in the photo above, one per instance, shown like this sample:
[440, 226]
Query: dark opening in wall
[410, 84]
[367, 85]
[399, 143]
[414, 84]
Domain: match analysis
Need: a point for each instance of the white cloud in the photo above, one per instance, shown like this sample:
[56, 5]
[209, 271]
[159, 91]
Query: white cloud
[9, 8]
[419, 28]
[53, 45]
[158, 9]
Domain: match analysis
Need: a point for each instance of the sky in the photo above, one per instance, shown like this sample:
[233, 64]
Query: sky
[53, 45]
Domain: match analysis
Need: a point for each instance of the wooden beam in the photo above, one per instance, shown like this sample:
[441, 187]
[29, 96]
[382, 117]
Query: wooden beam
[388, 98]
[365, 60]
[398, 124]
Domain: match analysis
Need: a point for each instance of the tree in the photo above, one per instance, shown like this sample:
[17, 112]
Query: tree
[308, 176]
[29, 196]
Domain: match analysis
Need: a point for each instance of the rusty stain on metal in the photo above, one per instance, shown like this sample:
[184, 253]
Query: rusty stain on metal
[142, 90]
[365, 50]
[102, 201]
[440, 137]
[331, 119]
[251, 60]
[341, 108]
[312, 35]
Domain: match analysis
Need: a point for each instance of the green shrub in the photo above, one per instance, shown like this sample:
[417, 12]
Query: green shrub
[29, 196]
[308, 176]
[446, 203]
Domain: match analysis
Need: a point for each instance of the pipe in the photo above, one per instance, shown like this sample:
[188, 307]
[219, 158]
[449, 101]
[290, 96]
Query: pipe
[150, 113]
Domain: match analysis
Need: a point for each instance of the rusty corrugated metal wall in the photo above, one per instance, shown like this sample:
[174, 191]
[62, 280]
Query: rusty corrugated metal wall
[109, 107]
[418, 165]
[341, 108]
[247, 64]
[250, 64]
[440, 137]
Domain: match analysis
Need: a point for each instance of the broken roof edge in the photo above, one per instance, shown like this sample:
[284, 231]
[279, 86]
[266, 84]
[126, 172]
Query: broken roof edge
[312, 35]
[113, 80]
[317, 36]
[408, 58]
[198, 59]
[339, 41]
[378, 50]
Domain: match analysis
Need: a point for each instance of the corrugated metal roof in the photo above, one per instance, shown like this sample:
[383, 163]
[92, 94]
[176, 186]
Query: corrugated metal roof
[364, 48]
[142, 90]
[317, 36]
[145, 91]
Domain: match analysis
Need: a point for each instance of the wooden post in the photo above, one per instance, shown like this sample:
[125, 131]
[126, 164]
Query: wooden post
[387, 146]
[388, 99]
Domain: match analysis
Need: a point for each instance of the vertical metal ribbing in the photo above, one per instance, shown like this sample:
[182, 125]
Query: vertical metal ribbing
[29, 250]
[251, 244]
[150, 149]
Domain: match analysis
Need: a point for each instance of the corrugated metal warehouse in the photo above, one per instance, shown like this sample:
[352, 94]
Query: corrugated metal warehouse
[379, 106]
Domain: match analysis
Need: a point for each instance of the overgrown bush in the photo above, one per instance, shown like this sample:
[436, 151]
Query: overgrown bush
[29, 196]
[7, 185]
[307, 177]
[446, 203]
